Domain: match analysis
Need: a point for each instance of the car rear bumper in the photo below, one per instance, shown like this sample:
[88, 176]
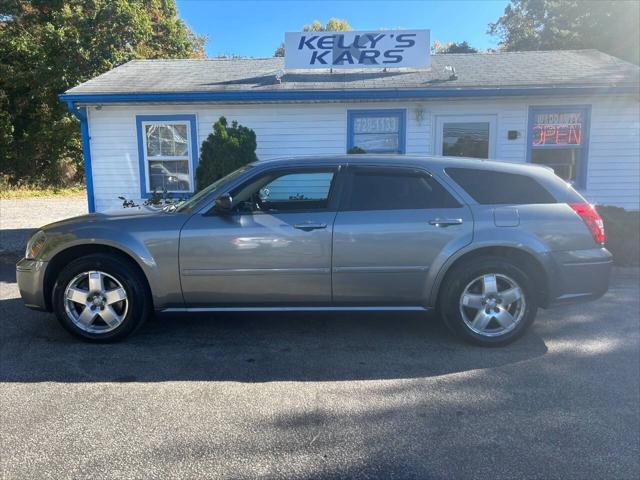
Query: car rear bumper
[580, 275]
[30, 277]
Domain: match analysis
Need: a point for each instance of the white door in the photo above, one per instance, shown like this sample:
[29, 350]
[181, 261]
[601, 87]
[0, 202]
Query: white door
[466, 136]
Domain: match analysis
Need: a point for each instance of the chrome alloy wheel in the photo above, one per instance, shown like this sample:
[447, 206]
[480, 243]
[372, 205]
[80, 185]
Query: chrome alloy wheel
[96, 302]
[492, 305]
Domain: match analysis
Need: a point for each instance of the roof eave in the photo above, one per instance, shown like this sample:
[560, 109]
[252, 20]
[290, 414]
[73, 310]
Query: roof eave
[341, 95]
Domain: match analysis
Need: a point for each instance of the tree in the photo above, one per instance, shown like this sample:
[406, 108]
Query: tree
[279, 51]
[452, 47]
[609, 26]
[225, 150]
[48, 47]
[333, 25]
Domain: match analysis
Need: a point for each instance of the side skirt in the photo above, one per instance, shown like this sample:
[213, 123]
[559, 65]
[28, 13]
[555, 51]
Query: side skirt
[416, 308]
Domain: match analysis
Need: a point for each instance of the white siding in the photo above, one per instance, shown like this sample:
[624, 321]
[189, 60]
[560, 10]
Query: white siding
[302, 129]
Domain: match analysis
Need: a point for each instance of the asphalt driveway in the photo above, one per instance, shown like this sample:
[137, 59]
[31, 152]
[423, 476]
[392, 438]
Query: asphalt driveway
[323, 396]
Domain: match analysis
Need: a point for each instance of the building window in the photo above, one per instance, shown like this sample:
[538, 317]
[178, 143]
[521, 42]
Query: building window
[376, 131]
[466, 136]
[168, 153]
[558, 139]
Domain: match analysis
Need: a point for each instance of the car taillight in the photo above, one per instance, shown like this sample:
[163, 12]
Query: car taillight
[592, 218]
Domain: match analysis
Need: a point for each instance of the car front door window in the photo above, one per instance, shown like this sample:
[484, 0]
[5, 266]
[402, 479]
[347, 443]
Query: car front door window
[285, 192]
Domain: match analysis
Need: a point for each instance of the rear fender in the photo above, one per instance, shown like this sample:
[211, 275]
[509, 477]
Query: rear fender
[509, 238]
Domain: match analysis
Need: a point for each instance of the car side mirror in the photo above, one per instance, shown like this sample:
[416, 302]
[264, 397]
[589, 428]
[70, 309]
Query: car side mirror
[224, 203]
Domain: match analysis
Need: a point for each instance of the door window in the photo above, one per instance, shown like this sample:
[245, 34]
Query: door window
[290, 191]
[466, 139]
[390, 189]
[557, 138]
[466, 136]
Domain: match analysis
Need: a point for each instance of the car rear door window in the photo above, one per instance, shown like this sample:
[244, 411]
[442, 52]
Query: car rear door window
[500, 188]
[395, 189]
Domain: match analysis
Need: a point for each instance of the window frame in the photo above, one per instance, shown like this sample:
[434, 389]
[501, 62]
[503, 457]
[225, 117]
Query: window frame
[491, 119]
[347, 190]
[401, 113]
[583, 161]
[192, 150]
[332, 199]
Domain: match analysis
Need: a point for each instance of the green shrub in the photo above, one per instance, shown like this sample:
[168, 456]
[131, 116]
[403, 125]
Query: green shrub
[225, 150]
[623, 234]
[355, 150]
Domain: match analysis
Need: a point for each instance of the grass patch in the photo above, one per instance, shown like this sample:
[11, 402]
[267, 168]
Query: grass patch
[32, 191]
[623, 234]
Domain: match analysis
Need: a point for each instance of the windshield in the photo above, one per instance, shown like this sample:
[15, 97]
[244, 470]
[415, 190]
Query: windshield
[191, 202]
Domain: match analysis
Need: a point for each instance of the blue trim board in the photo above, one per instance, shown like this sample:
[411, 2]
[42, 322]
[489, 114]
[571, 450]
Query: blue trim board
[401, 113]
[340, 95]
[191, 118]
[81, 114]
[583, 161]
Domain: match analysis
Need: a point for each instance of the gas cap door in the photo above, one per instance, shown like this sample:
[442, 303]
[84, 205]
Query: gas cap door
[506, 217]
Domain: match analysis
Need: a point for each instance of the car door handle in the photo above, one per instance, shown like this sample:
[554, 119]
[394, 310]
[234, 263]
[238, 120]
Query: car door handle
[445, 222]
[308, 226]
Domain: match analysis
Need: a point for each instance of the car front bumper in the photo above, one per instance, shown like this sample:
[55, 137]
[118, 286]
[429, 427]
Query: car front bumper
[30, 277]
[581, 275]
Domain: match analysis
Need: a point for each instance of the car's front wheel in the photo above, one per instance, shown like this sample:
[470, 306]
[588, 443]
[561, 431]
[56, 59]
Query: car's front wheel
[488, 301]
[101, 298]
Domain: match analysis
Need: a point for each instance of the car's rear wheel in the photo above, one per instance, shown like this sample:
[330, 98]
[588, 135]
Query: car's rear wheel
[488, 301]
[101, 298]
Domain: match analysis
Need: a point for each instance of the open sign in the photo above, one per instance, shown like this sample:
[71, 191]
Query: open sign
[558, 128]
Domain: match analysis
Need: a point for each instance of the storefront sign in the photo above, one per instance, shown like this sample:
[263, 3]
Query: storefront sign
[378, 49]
[557, 128]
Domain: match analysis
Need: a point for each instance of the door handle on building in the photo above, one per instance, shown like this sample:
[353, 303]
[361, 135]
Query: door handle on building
[445, 222]
[308, 226]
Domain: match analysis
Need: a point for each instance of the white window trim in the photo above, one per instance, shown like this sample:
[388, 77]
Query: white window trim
[189, 156]
[492, 120]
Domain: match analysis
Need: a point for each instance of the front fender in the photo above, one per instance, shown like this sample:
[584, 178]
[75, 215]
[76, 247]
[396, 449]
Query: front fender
[155, 252]
[60, 241]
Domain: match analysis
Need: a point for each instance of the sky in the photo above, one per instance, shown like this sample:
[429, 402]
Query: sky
[256, 28]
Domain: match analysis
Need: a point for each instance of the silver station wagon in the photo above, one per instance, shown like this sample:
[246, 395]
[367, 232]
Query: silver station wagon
[484, 243]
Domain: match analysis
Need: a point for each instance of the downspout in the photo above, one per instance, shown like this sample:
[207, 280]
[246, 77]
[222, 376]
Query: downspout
[81, 114]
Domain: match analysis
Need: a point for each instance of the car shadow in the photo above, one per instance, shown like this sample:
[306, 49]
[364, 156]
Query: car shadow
[255, 347]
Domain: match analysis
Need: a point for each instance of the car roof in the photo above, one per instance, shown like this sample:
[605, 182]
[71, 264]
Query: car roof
[423, 161]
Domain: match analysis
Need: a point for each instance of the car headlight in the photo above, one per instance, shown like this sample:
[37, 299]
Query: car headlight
[35, 244]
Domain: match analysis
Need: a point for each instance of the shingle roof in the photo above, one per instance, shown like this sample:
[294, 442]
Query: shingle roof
[565, 68]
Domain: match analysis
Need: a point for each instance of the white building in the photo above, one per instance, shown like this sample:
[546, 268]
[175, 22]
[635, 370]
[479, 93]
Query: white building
[577, 111]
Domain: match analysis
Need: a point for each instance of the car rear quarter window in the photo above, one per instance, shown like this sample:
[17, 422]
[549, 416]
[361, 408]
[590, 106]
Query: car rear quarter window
[495, 188]
[396, 189]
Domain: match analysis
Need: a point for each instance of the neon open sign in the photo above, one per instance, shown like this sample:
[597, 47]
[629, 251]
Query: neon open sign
[558, 128]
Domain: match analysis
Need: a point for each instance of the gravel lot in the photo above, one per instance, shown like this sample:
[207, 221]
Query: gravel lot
[20, 217]
[323, 396]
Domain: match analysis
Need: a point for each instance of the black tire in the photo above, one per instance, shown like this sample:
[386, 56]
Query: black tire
[454, 286]
[138, 296]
